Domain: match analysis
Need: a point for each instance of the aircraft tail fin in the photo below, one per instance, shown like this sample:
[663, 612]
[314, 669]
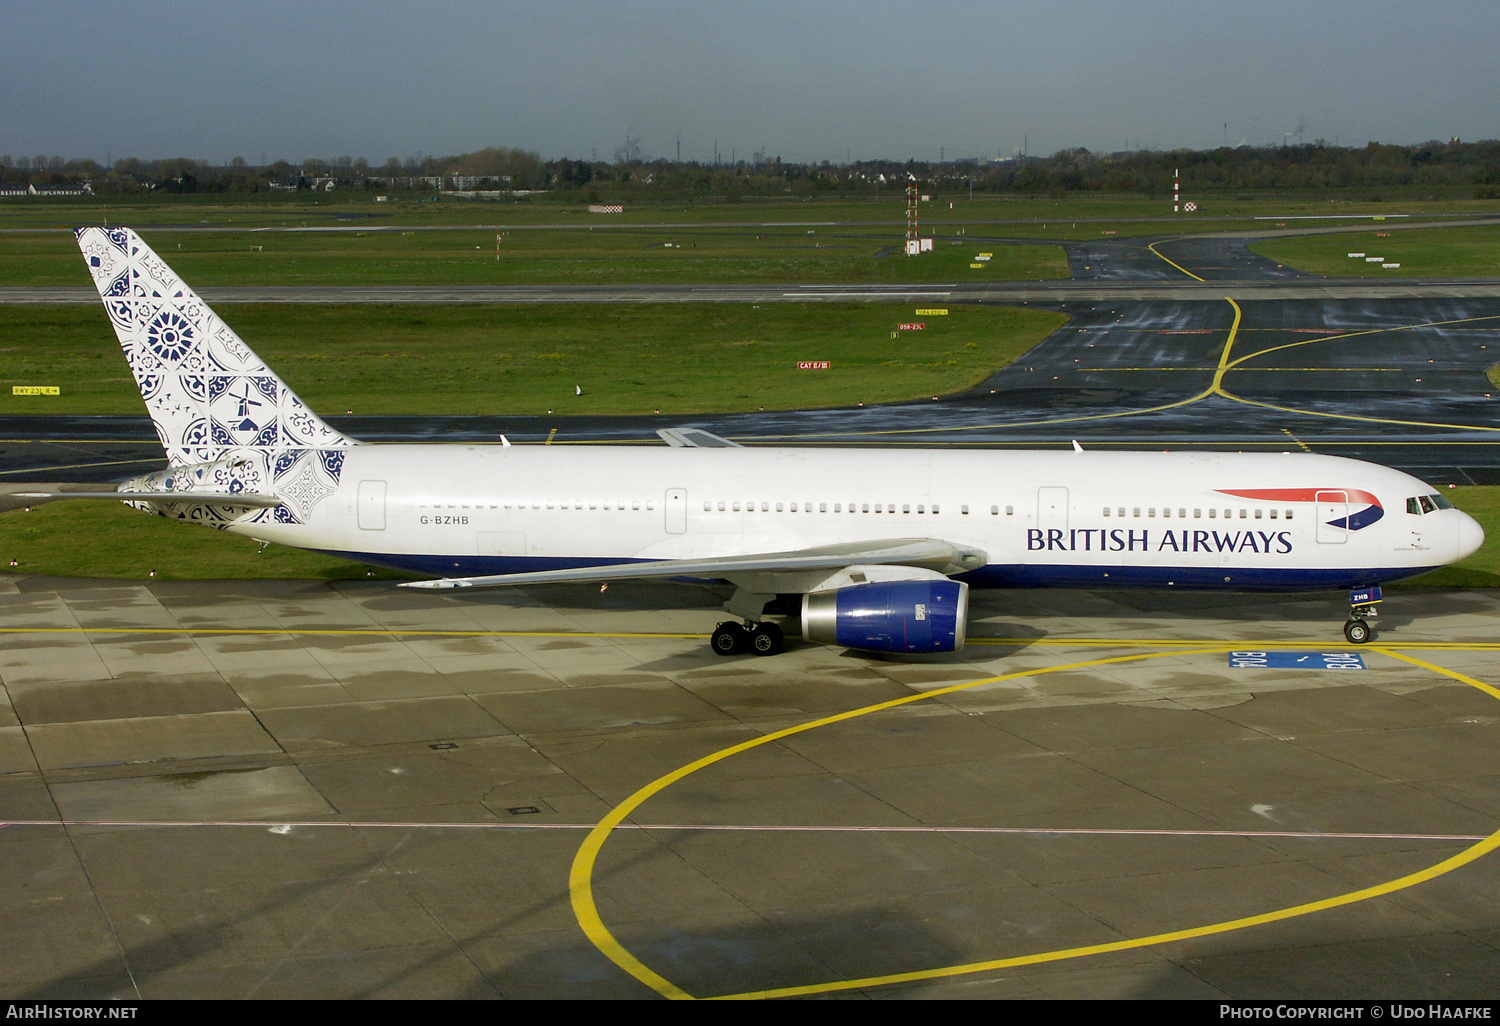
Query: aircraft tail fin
[216, 406]
[208, 394]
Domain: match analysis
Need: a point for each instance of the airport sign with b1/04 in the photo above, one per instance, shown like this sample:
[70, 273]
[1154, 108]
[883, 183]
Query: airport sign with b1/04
[1296, 661]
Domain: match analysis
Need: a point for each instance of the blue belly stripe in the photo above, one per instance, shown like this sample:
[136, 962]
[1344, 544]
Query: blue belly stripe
[995, 575]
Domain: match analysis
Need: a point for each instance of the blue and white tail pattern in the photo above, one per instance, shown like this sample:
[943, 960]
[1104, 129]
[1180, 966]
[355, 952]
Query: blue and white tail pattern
[224, 418]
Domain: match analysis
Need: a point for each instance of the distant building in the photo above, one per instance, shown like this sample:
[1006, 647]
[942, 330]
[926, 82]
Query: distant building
[83, 189]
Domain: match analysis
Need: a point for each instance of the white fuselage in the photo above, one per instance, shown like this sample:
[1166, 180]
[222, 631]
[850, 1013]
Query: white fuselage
[1219, 520]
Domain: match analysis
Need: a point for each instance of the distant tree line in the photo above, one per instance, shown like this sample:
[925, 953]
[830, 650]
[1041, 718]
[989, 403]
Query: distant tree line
[1447, 169]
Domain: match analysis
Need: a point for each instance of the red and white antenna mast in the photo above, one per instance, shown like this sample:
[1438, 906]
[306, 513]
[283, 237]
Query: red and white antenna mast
[911, 216]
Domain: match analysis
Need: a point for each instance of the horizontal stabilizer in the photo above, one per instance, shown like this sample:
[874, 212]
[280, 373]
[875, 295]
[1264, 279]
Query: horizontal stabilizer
[926, 552]
[695, 438]
[23, 496]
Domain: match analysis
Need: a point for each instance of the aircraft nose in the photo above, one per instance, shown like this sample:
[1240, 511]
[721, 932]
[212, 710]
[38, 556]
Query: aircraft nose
[1470, 536]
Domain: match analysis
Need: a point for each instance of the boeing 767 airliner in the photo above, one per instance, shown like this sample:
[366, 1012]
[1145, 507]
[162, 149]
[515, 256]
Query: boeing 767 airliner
[879, 546]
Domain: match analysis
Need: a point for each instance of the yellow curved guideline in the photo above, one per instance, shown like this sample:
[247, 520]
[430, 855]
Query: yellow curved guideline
[580, 877]
[1174, 263]
[1224, 364]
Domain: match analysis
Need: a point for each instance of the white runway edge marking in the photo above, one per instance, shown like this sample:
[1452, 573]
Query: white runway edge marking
[865, 295]
[813, 290]
[282, 826]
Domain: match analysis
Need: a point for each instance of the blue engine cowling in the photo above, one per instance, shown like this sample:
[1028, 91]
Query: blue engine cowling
[890, 616]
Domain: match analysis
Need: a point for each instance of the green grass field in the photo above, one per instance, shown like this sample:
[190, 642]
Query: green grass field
[887, 204]
[467, 360]
[1422, 252]
[415, 243]
[557, 255]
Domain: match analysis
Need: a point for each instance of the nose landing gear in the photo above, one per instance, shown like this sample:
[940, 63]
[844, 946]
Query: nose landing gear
[1362, 602]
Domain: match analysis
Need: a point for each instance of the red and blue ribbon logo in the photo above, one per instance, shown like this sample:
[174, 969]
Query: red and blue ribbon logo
[1351, 521]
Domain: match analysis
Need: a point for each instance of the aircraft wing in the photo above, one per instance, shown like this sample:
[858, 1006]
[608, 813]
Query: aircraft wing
[695, 438]
[923, 552]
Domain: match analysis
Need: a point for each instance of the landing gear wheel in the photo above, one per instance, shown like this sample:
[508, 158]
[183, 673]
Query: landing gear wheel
[766, 639]
[729, 638]
[1357, 631]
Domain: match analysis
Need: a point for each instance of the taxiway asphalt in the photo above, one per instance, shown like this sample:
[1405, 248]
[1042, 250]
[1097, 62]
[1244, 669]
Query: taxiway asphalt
[253, 789]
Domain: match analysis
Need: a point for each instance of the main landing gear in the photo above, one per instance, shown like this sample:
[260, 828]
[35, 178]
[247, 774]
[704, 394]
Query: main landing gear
[1361, 608]
[730, 638]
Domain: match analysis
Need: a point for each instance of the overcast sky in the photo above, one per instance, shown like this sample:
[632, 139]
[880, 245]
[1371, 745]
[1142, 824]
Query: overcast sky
[808, 80]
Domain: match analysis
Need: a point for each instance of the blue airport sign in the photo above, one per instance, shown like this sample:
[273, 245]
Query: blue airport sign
[1296, 661]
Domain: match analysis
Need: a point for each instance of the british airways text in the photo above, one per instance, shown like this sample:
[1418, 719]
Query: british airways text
[1120, 539]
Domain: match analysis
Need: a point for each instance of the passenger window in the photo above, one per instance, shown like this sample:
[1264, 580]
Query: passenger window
[1106, 511]
[1212, 514]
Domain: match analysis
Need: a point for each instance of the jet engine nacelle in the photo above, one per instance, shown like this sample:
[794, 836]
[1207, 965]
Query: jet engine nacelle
[889, 616]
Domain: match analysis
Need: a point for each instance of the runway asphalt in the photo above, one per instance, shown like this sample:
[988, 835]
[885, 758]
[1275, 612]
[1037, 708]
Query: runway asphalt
[284, 789]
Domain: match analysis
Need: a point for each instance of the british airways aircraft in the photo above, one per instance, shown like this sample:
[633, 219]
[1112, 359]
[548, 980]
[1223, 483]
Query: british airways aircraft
[879, 547]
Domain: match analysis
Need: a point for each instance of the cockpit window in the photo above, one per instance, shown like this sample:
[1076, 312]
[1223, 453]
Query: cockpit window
[1420, 504]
